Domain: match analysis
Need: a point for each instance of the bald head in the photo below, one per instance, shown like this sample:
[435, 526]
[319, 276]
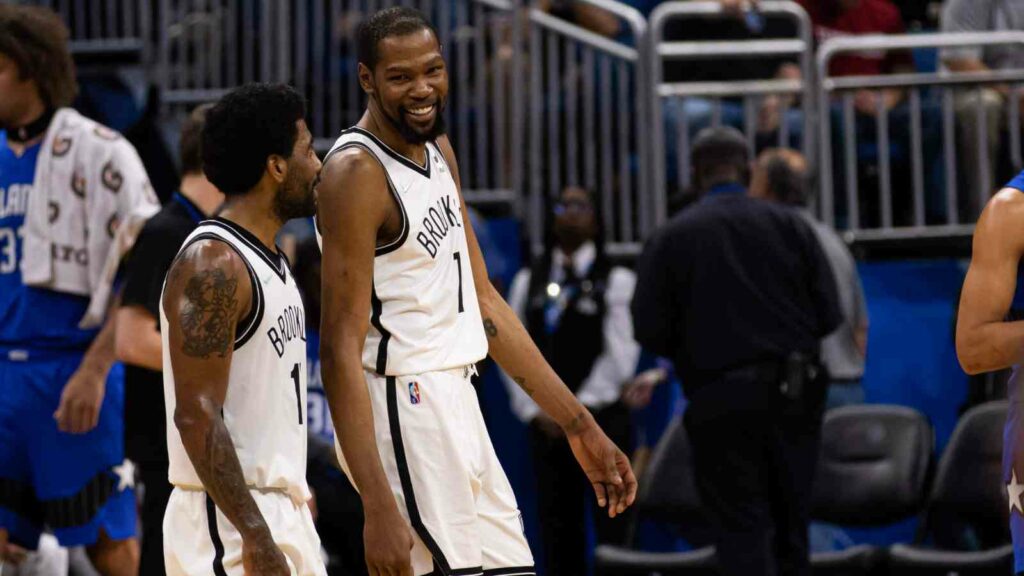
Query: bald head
[780, 175]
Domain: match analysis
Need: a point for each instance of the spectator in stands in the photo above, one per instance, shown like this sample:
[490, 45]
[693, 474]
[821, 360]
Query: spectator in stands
[782, 176]
[979, 158]
[575, 304]
[839, 18]
[338, 510]
[739, 294]
[742, 22]
[138, 335]
[584, 15]
[73, 195]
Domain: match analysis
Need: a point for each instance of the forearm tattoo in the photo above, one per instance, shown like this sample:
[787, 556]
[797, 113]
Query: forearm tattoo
[490, 328]
[206, 318]
[222, 477]
[575, 423]
[522, 384]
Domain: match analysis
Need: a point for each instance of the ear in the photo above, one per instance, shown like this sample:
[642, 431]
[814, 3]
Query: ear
[366, 78]
[277, 167]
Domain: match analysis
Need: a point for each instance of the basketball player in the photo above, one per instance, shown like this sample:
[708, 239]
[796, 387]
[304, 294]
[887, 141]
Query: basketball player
[69, 189]
[233, 334]
[990, 331]
[407, 312]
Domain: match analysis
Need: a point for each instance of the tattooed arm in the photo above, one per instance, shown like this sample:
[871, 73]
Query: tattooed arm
[510, 345]
[207, 293]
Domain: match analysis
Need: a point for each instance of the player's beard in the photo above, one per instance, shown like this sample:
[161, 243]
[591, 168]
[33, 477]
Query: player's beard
[294, 199]
[410, 134]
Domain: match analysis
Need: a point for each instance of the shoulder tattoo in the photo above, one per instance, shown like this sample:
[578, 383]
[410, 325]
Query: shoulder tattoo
[206, 325]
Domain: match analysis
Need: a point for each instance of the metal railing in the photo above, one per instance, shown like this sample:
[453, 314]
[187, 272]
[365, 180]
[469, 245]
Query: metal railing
[538, 103]
[587, 122]
[105, 27]
[934, 207]
[208, 46]
[750, 91]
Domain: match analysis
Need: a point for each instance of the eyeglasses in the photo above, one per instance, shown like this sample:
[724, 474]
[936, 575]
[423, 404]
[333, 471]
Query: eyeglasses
[574, 207]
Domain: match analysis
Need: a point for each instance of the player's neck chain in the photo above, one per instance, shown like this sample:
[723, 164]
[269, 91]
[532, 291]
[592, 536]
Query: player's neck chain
[32, 130]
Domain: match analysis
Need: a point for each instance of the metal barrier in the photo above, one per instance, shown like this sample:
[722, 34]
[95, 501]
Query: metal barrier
[750, 91]
[208, 46]
[589, 109]
[587, 122]
[936, 213]
[105, 27]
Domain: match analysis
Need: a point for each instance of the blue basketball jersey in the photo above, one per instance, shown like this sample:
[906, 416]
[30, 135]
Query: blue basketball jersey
[1018, 297]
[1013, 442]
[30, 318]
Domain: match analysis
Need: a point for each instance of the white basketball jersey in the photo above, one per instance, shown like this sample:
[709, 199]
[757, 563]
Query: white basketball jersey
[266, 398]
[424, 313]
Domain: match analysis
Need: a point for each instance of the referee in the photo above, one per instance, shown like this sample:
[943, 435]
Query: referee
[738, 293]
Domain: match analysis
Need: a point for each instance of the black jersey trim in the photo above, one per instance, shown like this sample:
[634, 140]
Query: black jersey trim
[218, 545]
[474, 571]
[406, 161]
[81, 507]
[20, 498]
[376, 310]
[276, 261]
[255, 315]
[387, 247]
[440, 562]
[512, 571]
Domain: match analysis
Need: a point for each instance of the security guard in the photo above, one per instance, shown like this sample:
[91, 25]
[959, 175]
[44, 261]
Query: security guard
[739, 294]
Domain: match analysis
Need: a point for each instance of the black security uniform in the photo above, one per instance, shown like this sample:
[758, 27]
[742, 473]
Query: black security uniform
[571, 345]
[144, 412]
[738, 293]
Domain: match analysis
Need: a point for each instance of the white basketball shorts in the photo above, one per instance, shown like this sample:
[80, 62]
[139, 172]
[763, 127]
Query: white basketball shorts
[446, 477]
[199, 540]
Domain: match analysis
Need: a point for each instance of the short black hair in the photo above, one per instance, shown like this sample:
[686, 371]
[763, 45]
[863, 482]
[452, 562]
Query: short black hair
[720, 155]
[244, 128]
[786, 183]
[190, 146]
[397, 21]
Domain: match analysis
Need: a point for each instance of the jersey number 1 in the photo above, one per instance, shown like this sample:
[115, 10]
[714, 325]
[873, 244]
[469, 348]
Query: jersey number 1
[458, 261]
[298, 393]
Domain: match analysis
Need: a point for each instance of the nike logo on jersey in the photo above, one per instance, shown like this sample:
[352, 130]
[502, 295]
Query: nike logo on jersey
[291, 325]
[439, 220]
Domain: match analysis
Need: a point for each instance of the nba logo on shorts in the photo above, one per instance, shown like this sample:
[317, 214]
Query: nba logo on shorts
[414, 392]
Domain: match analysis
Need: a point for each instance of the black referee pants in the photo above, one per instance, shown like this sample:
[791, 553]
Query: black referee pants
[156, 493]
[563, 493]
[754, 471]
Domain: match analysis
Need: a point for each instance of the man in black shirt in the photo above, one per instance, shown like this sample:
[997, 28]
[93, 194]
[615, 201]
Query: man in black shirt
[138, 337]
[738, 293]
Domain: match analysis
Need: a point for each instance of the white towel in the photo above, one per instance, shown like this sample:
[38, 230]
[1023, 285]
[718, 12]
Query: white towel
[90, 198]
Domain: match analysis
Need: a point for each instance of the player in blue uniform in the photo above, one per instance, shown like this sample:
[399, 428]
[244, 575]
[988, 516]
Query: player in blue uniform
[61, 447]
[990, 329]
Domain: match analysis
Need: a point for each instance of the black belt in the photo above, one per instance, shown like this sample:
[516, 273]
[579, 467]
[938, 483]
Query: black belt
[758, 386]
[775, 371]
